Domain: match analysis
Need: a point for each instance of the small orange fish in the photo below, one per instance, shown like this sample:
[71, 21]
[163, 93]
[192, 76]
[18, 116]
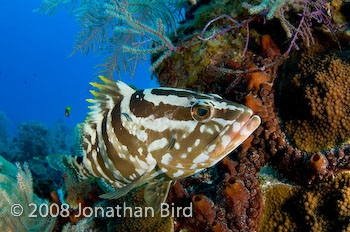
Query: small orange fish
[67, 111]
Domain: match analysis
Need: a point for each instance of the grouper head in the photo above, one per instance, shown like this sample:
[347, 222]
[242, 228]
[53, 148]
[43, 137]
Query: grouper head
[186, 131]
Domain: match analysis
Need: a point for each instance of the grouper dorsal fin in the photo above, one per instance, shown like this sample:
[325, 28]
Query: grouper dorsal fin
[156, 193]
[110, 94]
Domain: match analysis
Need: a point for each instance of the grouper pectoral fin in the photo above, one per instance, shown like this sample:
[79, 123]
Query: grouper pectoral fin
[156, 193]
[118, 193]
[124, 190]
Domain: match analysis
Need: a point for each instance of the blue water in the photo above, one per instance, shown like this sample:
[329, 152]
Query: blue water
[38, 78]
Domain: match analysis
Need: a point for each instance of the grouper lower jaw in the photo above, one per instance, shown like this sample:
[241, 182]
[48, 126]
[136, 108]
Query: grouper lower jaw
[232, 137]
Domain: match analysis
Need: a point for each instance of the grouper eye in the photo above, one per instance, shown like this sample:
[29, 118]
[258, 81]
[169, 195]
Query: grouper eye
[202, 111]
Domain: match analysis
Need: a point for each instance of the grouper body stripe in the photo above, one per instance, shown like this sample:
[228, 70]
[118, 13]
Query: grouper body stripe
[178, 97]
[122, 166]
[176, 108]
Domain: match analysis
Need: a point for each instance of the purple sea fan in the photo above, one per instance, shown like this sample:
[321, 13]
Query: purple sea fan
[308, 10]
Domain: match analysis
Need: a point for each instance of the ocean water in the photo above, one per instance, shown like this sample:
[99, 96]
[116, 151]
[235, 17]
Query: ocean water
[38, 77]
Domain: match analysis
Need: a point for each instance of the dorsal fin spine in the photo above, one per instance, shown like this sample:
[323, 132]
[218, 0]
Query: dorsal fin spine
[106, 80]
[110, 93]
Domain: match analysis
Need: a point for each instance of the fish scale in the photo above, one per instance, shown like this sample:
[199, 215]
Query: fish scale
[155, 136]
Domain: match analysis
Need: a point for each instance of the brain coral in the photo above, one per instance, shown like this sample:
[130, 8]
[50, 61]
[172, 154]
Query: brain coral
[320, 117]
[321, 207]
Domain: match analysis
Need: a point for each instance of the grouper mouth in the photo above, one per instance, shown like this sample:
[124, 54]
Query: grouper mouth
[232, 136]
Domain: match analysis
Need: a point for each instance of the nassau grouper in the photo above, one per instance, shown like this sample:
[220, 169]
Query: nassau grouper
[155, 136]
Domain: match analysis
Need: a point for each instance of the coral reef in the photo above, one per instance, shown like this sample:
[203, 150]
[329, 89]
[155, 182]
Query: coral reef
[275, 216]
[21, 193]
[236, 49]
[32, 143]
[61, 139]
[232, 185]
[319, 163]
[35, 140]
[204, 206]
[157, 223]
[78, 197]
[315, 107]
[283, 9]
[86, 224]
[226, 197]
[248, 73]
[32, 140]
[4, 141]
[191, 66]
[7, 168]
[269, 175]
[320, 207]
[75, 192]
[121, 221]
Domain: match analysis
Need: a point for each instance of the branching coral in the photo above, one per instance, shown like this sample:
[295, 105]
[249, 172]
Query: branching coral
[23, 195]
[273, 7]
[123, 30]
[147, 38]
[308, 11]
